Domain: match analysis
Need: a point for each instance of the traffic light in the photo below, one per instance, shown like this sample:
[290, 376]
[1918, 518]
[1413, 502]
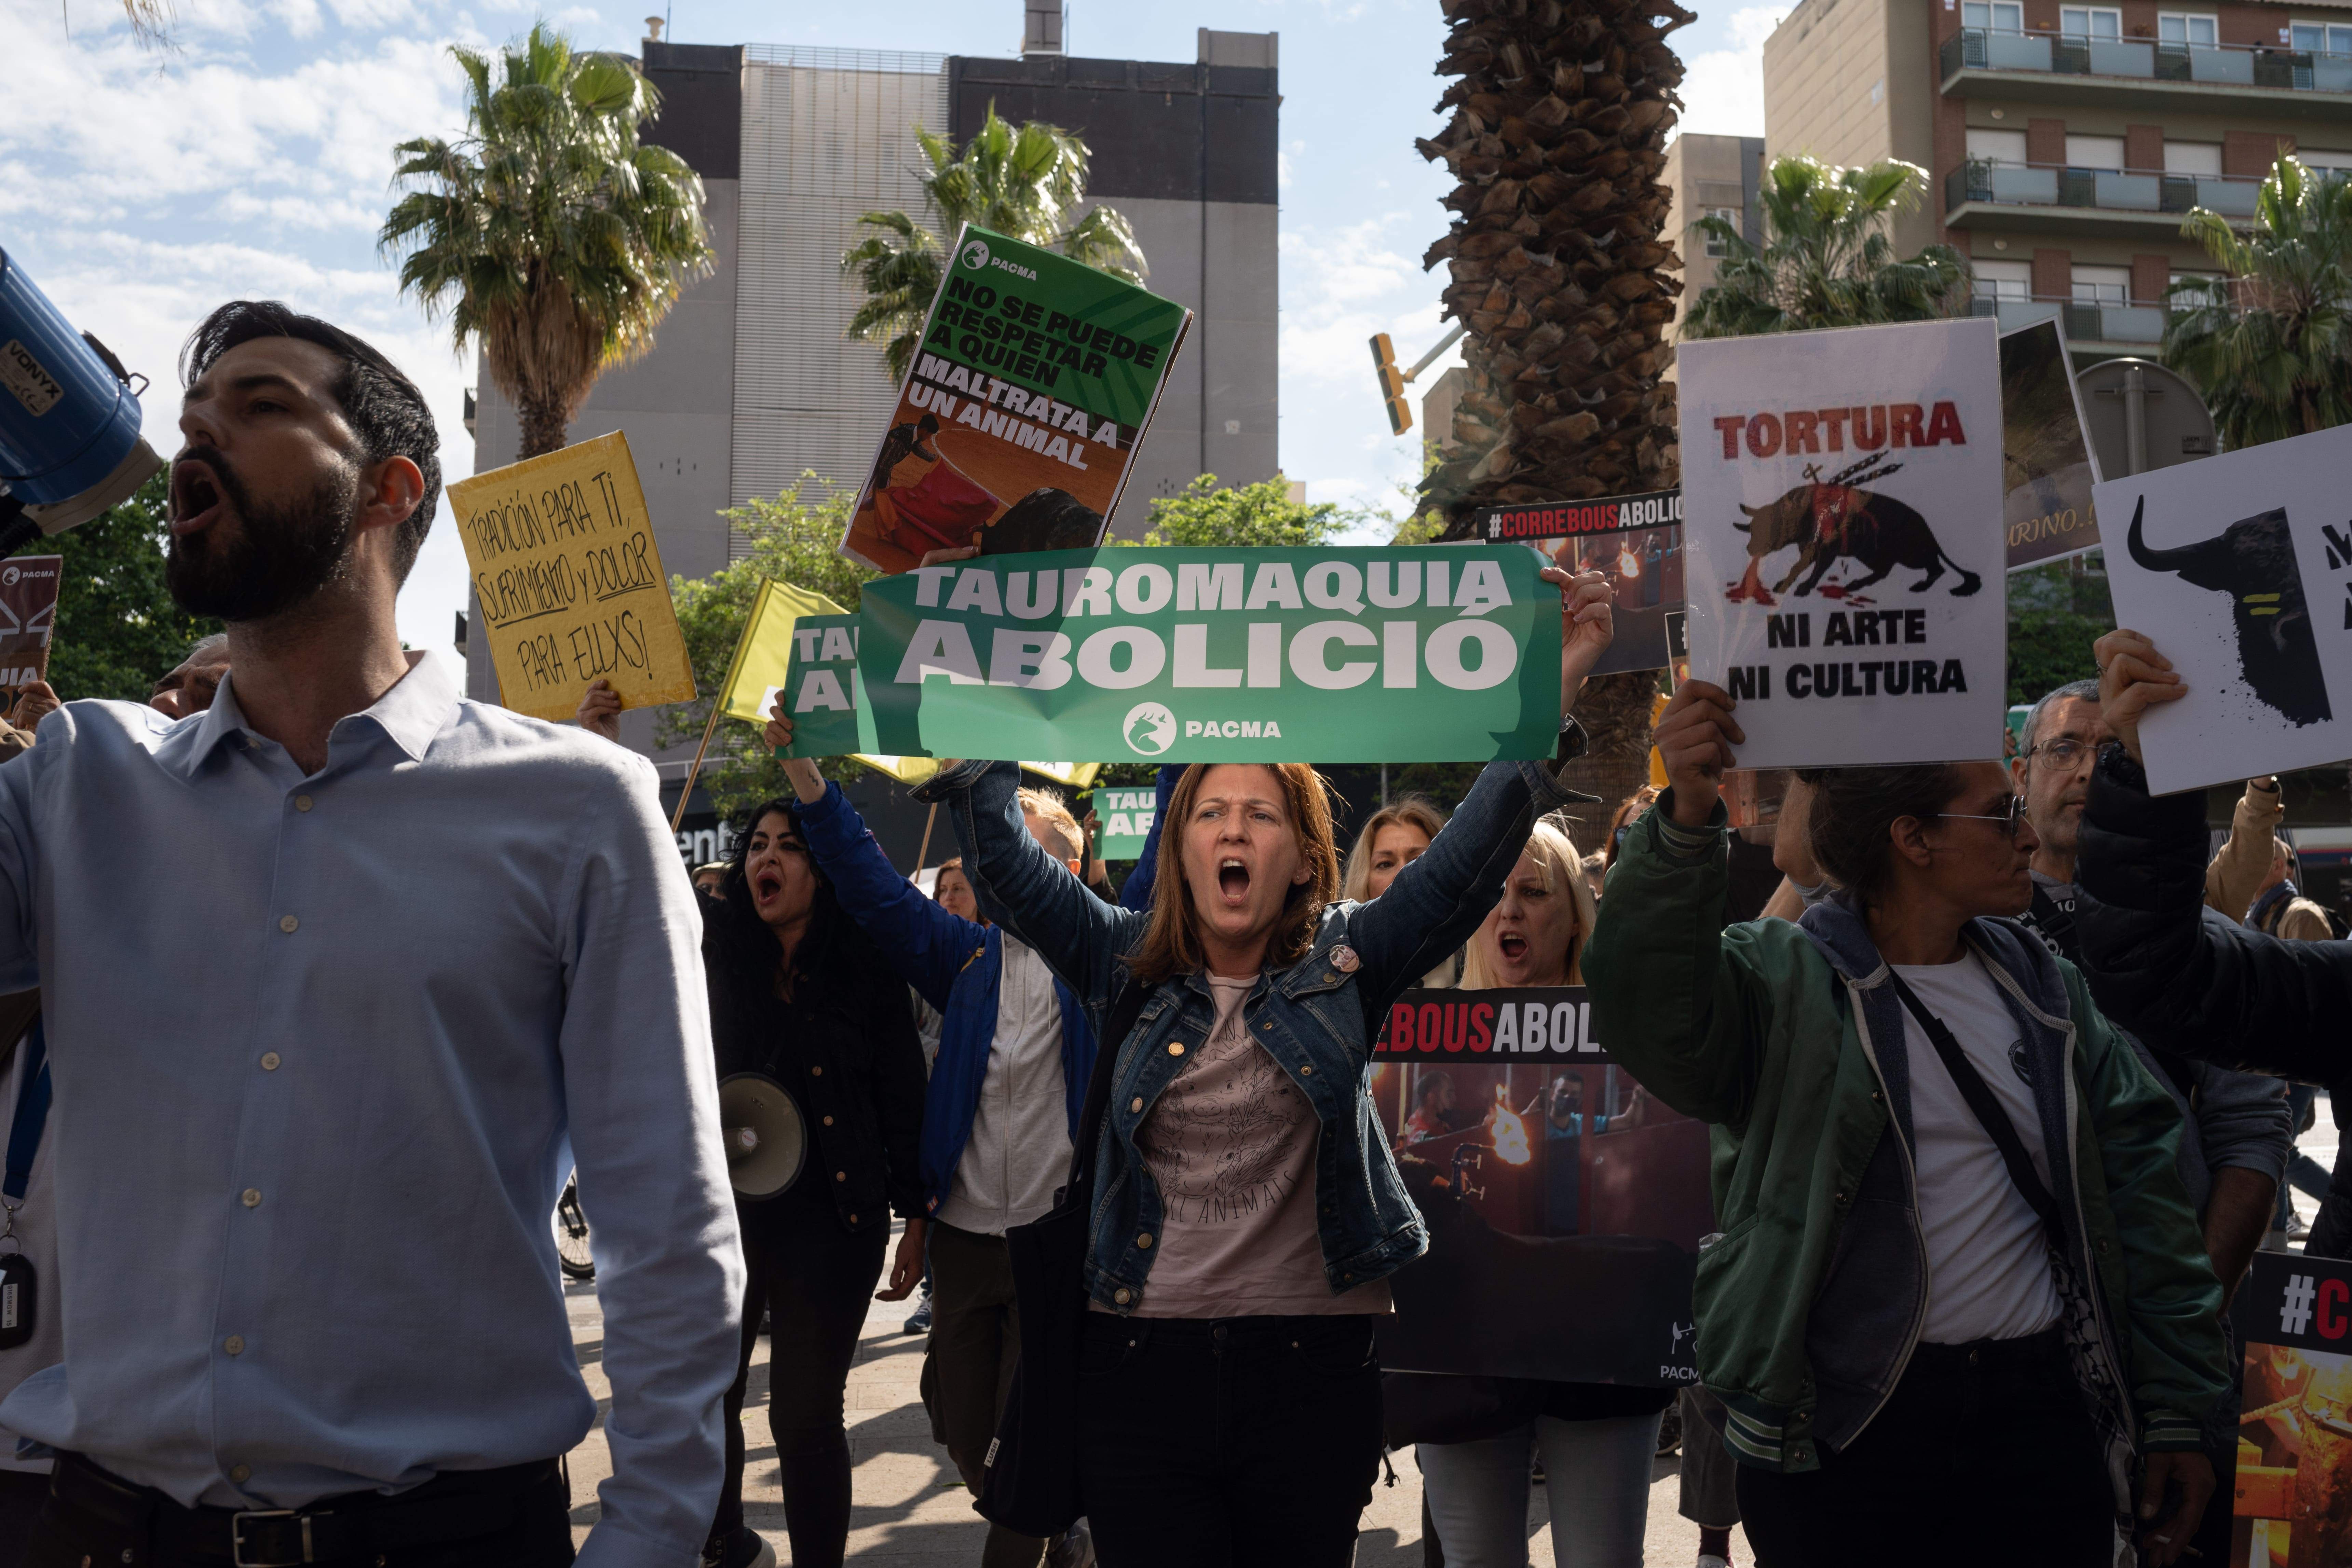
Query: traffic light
[1391, 383]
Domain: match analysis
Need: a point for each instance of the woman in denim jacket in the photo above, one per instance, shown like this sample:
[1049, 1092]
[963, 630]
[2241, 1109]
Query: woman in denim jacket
[1247, 1212]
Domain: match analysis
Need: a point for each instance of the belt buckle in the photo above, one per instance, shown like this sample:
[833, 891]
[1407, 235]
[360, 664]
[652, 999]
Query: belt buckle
[236, 1537]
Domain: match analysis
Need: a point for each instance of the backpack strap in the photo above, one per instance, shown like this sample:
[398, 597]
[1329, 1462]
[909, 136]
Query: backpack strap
[1989, 1113]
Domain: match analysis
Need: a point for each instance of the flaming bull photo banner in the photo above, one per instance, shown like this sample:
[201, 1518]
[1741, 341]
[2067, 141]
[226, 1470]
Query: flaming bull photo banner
[1842, 523]
[1021, 413]
[2239, 567]
[2291, 1496]
[1566, 1205]
[1447, 653]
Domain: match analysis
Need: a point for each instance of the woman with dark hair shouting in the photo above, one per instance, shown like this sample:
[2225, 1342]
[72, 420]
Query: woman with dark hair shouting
[1246, 1213]
[1960, 1301]
[798, 992]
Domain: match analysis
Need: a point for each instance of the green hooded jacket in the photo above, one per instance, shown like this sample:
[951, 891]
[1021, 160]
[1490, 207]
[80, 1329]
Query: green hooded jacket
[1789, 1040]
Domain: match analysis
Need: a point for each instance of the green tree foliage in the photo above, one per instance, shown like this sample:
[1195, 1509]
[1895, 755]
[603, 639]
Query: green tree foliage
[2273, 350]
[1826, 259]
[117, 629]
[792, 541]
[1260, 515]
[2055, 614]
[549, 229]
[1023, 182]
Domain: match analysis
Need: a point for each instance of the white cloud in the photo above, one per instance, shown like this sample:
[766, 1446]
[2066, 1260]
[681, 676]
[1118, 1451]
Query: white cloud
[147, 187]
[1723, 89]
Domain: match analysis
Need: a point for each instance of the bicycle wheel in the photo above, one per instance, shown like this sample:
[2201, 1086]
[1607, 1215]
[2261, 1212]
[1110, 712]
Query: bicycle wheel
[571, 1254]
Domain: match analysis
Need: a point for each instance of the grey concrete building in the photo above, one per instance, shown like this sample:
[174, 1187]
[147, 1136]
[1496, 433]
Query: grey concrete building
[752, 385]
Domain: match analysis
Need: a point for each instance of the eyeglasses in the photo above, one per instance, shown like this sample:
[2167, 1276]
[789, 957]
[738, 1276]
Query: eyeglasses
[2063, 753]
[2013, 812]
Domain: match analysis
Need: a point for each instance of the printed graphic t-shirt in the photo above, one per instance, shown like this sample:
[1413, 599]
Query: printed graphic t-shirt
[1988, 1265]
[1231, 1145]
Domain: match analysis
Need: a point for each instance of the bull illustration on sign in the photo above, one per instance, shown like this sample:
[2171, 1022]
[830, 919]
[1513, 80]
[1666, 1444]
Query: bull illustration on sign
[1828, 519]
[2253, 561]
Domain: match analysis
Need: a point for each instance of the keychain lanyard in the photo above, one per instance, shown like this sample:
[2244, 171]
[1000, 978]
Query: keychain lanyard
[24, 1131]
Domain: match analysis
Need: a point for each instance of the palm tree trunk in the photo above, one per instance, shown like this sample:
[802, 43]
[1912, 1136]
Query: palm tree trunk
[1558, 270]
[543, 424]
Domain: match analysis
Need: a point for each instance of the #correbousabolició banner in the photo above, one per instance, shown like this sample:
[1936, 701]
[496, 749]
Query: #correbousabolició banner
[1447, 653]
[1841, 514]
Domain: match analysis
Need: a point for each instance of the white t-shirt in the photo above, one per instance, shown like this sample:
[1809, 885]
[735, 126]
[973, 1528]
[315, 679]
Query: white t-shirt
[1988, 1265]
[1019, 1150]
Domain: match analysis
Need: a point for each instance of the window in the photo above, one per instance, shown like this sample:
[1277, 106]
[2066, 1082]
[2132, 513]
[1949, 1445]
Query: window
[2090, 22]
[1997, 146]
[2102, 285]
[2209, 290]
[2179, 28]
[2319, 161]
[2192, 157]
[2004, 280]
[2322, 39]
[1714, 243]
[2095, 152]
[2001, 16]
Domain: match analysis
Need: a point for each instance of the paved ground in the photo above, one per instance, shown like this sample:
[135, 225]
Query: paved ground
[911, 1509]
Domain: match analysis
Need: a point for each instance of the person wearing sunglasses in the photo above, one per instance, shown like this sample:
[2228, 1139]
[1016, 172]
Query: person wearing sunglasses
[2236, 1132]
[1958, 1299]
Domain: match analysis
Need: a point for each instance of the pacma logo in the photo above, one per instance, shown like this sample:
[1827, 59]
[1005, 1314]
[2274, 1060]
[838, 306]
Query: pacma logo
[975, 255]
[1232, 729]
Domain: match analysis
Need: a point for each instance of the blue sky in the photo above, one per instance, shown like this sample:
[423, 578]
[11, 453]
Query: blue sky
[141, 188]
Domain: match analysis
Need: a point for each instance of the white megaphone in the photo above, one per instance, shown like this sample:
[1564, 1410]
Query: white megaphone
[767, 1140]
[69, 441]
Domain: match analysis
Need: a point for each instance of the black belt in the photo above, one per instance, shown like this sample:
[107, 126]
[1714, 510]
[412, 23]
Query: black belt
[143, 1526]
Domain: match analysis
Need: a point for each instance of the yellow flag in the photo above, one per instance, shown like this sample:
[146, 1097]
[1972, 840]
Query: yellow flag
[1069, 775]
[906, 769]
[764, 656]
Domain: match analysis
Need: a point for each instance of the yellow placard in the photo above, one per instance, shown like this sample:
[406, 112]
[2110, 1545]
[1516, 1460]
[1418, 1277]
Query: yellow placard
[569, 581]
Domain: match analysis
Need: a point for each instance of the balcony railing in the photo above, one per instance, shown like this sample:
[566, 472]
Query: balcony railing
[2227, 65]
[2114, 190]
[2082, 320]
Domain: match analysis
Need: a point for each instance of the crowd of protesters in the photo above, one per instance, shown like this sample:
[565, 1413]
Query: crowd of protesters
[1994, 1054]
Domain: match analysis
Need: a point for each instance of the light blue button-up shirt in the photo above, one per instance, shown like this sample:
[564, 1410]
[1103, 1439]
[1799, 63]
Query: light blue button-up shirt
[323, 1050]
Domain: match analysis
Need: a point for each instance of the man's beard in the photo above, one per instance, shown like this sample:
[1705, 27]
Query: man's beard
[282, 554]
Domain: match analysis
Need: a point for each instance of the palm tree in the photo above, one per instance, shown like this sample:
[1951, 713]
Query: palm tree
[1023, 182]
[550, 229]
[1557, 143]
[1826, 261]
[2273, 352]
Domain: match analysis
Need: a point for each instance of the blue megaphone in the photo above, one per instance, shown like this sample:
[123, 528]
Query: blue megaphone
[69, 441]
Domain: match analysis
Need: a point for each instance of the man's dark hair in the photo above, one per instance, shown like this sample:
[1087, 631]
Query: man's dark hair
[1855, 808]
[385, 408]
[1429, 1087]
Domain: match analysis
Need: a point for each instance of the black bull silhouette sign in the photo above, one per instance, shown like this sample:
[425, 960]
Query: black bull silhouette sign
[2253, 561]
[1830, 521]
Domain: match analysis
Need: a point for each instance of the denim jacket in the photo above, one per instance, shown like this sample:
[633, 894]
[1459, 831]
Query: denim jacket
[1318, 1018]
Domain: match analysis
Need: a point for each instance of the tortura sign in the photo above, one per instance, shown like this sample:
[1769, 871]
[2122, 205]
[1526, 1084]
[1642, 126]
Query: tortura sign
[1845, 557]
[1442, 654]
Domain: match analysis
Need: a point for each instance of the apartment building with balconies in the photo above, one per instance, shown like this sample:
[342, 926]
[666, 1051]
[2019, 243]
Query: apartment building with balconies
[2064, 142]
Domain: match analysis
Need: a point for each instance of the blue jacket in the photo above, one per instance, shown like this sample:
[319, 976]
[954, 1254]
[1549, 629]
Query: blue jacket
[1135, 893]
[1318, 1019]
[955, 963]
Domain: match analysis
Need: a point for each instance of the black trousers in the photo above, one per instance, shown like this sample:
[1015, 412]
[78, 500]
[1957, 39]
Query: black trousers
[815, 1280]
[1228, 1443]
[538, 1537]
[1983, 1454]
